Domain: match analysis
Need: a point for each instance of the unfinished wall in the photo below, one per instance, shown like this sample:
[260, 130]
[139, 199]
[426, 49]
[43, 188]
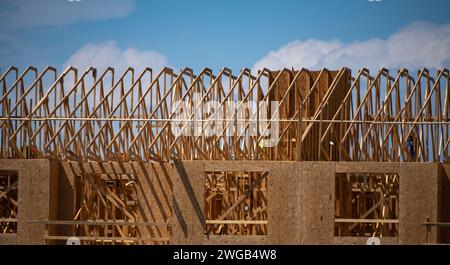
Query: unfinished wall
[418, 201]
[37, 180]
[154, 195]
[188, 189]
[317, 195]
[316, 215]
[444, 173]
[301, 201]
[189, 202]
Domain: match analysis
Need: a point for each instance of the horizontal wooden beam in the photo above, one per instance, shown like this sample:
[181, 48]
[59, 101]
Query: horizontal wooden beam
[239, 222]
[98, 222]
[386, 221]
[8, 220]
[116, 239]
[440, 224]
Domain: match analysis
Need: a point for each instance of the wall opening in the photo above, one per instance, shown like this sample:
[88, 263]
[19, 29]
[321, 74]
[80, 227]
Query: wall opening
[9, 192]
[236, 203]
[111, 201]
[366, 205]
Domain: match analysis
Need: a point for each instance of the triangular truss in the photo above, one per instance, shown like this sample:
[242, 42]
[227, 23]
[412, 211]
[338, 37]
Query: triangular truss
[323, 115]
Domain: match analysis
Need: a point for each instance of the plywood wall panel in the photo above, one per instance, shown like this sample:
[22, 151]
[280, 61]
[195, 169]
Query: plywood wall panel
[317, 202]
[418, 201]
[188, 203]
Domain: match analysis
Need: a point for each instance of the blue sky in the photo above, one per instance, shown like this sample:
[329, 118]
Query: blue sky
[236, 34]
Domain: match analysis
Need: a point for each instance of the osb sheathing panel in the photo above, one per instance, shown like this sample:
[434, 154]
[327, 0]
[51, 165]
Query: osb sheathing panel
[34, 197]
[235, 240]
[283, 202]
[154, 191]
[188, 203]
[53, 196]
[418, 201]
[367, 167]
[444, 173]
[316, 215]
[238, 165]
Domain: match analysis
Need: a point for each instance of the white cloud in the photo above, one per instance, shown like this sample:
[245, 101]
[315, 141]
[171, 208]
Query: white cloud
[107, 54]
[415, 46]
[29, 13]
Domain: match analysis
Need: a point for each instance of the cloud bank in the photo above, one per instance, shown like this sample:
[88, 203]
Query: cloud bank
[30, 13]
[414, 46]
[107, 54]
